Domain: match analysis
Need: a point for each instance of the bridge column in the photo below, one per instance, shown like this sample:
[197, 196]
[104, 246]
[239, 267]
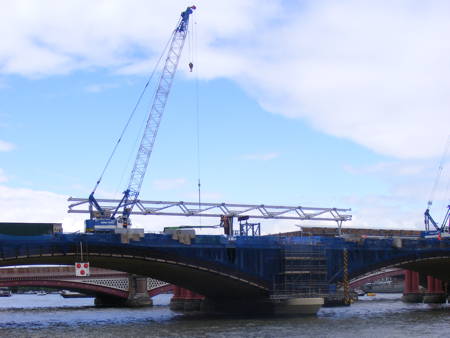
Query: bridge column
[177, 302]
[137, 295]
[435, 293]
[264, 306]
[137, 292]
[192, 301]
[185, 300]
[411, 292]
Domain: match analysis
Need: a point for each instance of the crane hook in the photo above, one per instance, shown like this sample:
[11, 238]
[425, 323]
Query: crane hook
[191, 66]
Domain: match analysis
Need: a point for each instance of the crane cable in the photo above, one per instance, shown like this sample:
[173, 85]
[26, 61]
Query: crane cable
[132, 113]
[193, 57]
[439, 173]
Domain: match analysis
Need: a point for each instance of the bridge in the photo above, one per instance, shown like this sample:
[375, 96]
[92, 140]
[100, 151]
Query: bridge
[107, 286]
[375, 275]
[249, 273]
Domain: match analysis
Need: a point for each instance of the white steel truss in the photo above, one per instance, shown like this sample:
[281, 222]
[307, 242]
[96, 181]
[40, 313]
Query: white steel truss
[262, 211]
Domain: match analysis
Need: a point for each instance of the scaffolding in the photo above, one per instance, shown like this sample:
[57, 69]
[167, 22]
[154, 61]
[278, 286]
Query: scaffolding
[303, 274]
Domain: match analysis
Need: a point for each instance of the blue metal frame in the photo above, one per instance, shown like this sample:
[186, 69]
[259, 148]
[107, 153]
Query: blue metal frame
[259, 259]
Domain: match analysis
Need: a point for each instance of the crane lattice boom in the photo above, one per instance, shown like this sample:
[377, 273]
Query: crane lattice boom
[131, 194]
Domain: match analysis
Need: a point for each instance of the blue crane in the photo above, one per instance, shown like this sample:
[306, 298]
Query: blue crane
[443, 228]
[440, 228]
[104, 220]
[114, 215]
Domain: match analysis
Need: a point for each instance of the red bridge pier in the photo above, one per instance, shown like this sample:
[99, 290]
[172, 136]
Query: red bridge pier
[185, 300]
[411, 292]
[435, 293]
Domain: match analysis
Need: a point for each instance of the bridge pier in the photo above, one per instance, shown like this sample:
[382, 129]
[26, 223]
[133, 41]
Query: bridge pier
[185, 300]
[435, 293]
[137, 292]
[237, 306]
[411, 292]
[109, 301]
[137, 295]
[290, 306]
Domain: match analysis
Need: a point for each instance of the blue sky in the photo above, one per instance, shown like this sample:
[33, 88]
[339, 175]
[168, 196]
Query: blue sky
[311, 103]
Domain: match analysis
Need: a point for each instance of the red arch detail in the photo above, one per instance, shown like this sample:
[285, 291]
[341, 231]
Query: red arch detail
[162, 289]
[375, 277]
[88, 288]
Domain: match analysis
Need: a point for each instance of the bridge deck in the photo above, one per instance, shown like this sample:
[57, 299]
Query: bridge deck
[220, 267]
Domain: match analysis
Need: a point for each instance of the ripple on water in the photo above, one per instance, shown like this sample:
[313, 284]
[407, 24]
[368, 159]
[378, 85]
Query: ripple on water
[381, 316]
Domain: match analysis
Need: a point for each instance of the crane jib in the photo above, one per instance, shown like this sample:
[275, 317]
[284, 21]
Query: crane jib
[185, 18]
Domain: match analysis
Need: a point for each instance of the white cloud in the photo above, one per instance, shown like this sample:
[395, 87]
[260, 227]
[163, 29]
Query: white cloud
[386, 211]
[413, 182]
[6, 146]
[205, 196]
[260, 157]
[376, 73]
[3, 177]
[380, 85]
[393, 168]
[27, 205]
[52, 37]
[169, 183]
[99, 87]
[403, 205]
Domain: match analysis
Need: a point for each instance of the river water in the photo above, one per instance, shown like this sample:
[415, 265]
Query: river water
[379, 316]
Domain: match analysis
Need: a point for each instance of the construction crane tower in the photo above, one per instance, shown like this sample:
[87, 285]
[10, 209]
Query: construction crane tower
[104, 220]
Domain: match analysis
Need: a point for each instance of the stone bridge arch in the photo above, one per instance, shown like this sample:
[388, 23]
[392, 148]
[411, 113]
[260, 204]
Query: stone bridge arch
[212, 272]
[427, 256]
[221, 268]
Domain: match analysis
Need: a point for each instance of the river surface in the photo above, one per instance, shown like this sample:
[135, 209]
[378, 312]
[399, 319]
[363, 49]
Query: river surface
[54, 316]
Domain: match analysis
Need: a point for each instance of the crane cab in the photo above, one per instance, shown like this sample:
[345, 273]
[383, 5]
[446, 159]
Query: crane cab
[100, 225]
[100, 222]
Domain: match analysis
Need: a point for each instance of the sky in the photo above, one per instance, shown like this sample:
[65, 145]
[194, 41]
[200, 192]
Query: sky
[314, 103]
